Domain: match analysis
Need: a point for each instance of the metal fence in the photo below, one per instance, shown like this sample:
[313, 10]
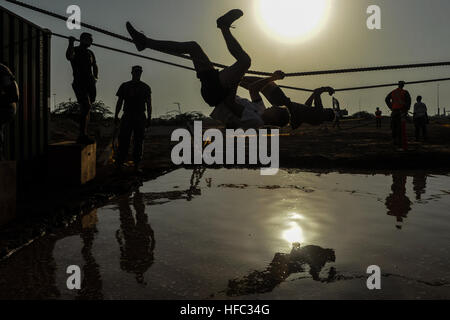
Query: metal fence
[25, 49]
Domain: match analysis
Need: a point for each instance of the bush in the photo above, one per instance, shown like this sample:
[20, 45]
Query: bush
[70, 109]
[179, 119]
[363, 115]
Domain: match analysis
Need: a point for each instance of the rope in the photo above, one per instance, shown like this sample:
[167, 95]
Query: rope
[284, 87]
[111, 34]
[131, 53]
[391, 84]
[368, 69]
[372, 86]
[295, 74]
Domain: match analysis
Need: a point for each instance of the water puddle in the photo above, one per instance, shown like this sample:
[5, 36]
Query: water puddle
[219, 234]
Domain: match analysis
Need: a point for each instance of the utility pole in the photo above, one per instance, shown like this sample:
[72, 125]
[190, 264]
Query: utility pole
[179, 106]
[438, 102]
[54, 101]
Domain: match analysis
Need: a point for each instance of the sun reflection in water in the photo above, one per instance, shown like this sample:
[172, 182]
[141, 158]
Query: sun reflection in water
[294, 232]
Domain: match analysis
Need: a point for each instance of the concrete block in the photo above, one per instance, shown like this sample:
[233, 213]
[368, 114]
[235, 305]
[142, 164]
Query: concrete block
[70, 163]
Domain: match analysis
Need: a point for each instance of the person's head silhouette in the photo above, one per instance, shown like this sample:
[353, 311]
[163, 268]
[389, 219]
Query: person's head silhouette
[136, 72]
[86, 39]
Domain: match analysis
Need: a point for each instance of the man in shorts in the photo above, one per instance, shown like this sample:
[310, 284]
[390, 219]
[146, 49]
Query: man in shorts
[254, 114]
[299, 113]
[218, 87]
[85, 76]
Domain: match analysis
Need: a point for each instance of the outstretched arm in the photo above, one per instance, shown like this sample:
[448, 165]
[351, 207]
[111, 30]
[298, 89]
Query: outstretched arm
[70, 52]
[256, 87]
[315, 97]
[94, 67]
[408, 101]
[388, 101]
[149, 111]
[118, 108]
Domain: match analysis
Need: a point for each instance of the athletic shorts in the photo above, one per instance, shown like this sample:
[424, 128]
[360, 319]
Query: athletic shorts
[212, 90]
[86, 92]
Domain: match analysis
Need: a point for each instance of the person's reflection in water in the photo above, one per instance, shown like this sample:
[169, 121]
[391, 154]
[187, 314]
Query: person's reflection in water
[135, 237]
[197, 175]
[92, 284]
[281, 267]
[419, 184]
[397, 203]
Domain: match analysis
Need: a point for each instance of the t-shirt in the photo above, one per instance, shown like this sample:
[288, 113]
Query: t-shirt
[378, 114]
[135, 94]
[420, 110]
[251, 115]
[82, 64]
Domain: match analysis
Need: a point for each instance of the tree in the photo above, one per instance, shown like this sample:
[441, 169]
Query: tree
[71, 109]
[363, 115]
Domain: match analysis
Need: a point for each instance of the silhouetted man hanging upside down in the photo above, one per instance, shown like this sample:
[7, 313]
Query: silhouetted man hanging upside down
[299, 113]
[219, 87]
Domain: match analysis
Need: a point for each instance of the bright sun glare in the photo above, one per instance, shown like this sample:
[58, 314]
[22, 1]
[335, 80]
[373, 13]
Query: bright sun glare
[293, 20]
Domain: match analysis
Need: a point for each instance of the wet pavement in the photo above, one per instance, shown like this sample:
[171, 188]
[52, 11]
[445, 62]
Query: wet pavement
[233, 234]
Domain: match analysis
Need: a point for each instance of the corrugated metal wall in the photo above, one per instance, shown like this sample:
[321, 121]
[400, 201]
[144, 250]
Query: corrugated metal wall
[25, 49]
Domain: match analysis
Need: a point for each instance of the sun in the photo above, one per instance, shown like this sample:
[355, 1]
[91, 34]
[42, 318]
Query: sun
[292, 20]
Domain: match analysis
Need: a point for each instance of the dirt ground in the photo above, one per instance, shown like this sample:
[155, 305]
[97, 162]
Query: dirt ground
[357, 145]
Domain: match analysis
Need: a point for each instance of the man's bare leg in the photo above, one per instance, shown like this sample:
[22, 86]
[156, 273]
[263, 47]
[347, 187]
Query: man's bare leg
[231, 77]
[192, 48]
[271, 91]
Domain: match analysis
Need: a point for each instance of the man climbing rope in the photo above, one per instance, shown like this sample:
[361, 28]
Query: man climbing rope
[255, 114]
[299, 113]
[85, 75]
[9, 96]
[218, 87]
[399, 102]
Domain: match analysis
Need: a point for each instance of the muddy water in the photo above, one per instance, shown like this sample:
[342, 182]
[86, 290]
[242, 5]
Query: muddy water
[218, 234]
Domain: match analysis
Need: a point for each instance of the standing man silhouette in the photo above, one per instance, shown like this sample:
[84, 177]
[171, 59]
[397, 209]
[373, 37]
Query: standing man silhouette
[85, 76]
[420, 118]
[399, 102]
[378, 115]
[137, 97]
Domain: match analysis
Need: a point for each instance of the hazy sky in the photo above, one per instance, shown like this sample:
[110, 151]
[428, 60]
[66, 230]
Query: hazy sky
[413, 31]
